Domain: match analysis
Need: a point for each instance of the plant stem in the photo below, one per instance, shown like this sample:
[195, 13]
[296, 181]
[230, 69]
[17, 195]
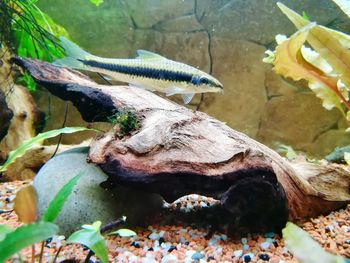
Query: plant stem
[41, 251]
[57, 253]
[111, 225]
[33, 253]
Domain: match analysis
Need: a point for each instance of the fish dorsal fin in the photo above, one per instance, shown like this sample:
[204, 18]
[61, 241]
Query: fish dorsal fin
[144, 54]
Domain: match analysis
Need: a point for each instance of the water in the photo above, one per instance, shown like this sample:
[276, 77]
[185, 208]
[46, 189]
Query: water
[227, 38]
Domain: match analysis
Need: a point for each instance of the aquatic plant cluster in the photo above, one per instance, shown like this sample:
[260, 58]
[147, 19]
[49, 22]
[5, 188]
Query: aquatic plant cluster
[326, 68]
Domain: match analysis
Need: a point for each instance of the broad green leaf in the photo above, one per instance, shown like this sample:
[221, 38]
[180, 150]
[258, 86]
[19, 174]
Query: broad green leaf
[329, 47]
[91, 237]
[123, 232]
[290, 63]
[96, 2]
[96, 226]
[25, 236]
[304, 248]
[59, 200]
[28, 144]
[4, 230]
[25, 204]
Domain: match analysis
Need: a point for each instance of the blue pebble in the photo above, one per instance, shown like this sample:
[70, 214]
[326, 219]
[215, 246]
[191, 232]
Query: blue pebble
[197, 256]
[246, 247]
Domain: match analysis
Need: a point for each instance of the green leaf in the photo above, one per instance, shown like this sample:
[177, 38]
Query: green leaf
[60, 199]
[123, 232]
[25, 236]
[4, 230]
[288, 151]
[28, 81]
[96, 2]
[304, 248]
[91, 237]
[26, 145]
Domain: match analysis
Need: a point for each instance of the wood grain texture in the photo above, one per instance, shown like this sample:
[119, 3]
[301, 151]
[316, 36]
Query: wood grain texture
[177, 151]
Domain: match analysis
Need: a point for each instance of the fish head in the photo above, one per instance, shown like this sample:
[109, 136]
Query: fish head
[207, 83]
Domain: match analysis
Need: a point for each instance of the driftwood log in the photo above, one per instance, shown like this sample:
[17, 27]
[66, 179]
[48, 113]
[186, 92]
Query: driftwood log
[177, 151]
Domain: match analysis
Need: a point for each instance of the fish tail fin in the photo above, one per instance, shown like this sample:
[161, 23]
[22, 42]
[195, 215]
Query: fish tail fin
[75, 55]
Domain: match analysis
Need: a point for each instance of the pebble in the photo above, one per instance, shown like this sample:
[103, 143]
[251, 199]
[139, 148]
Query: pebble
[168, 243]
[264, 257]
[153, 236]
[265, 245]
[237, 253]
[197, 256]
[248, 257]
[170, 258]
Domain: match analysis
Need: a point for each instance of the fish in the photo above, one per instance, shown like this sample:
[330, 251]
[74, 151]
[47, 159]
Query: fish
[148, 71]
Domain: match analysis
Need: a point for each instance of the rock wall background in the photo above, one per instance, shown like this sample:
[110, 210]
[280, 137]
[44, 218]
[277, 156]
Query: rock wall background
[227, 36]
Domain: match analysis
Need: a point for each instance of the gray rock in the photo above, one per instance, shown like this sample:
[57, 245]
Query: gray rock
[259, 20]
[89, 202]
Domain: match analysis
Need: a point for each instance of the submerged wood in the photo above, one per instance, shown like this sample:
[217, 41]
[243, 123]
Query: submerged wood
[177, 151]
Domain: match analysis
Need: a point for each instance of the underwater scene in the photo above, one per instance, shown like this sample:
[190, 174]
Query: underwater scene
[175, 131]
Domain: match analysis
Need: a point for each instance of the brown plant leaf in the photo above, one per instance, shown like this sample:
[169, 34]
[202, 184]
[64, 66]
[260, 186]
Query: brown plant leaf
[25, 204]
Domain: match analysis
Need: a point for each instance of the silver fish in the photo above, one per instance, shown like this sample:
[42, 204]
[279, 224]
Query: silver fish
[148, 70]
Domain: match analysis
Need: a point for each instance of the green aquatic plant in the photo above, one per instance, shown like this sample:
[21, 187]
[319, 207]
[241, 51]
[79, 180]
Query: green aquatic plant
[126, 121]
[305, 249]
[91, 236]
[28, 144]
[96, 2]
[326, 67]
[12, 241]
[30, 33]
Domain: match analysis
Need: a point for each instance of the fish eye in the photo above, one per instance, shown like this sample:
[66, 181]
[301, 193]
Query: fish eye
[197, 80]
[204, 80]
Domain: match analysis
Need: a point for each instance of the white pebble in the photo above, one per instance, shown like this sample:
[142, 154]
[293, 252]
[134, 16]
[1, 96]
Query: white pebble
[265, 245]
[169, 258]
[203, 205]
[153, 236]
[238, 253]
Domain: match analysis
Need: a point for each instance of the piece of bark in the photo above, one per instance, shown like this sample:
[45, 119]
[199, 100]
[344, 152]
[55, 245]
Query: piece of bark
[25, 115]
[177, 151]
[6, 115]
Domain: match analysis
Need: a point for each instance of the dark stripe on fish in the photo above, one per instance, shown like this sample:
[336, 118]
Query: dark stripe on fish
[161, 74]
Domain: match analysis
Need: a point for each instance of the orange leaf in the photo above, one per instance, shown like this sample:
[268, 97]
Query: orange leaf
[25, 204]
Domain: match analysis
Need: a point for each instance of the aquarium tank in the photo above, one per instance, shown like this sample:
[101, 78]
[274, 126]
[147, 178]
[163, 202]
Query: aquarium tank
[174, 131]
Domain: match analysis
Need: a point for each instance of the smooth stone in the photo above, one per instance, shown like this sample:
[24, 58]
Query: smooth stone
[88, 201]
[237, 253]
[265, 245]
[197, 256]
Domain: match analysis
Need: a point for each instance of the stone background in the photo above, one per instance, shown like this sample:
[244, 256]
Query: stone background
[229, 36]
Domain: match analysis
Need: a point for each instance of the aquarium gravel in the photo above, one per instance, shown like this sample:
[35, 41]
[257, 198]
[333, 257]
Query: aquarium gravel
[171, 243]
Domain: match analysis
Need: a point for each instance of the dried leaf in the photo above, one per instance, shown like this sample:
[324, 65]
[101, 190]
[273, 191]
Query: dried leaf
[344, 6]
[25, 204]
[289, 62]
[323, 41]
